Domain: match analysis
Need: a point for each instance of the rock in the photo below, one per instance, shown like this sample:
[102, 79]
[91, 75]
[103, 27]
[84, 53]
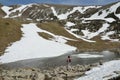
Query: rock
[1, 78]
[40, 76]
[56, 78]
[57, 73]
[48, 76]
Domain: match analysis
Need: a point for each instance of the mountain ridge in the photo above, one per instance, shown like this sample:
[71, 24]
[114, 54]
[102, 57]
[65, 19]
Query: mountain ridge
[86, 28]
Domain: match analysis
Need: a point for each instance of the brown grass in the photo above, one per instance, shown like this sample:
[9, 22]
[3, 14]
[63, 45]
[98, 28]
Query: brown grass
[2, 13]
[99, 45]
[55, 28]
[45, 35]
[9, 32]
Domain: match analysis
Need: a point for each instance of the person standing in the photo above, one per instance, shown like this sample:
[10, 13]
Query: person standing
[68, 62]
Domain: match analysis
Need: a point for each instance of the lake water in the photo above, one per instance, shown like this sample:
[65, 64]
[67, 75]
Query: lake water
[77, 58]
[86, 58]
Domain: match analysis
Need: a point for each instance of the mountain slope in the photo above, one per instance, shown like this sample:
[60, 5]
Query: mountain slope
[32, 45]
[84, 17]
[9, 33]
[82, 28]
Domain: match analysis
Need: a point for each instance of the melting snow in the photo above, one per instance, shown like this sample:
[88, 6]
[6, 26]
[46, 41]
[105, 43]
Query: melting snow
[106, 36]
[46, 5]
[103, 72]
[65, 16]
[104, 13]
[88, 56]
[78, 36]
[89, 35]
[21, 9]
[74, 30]
[69, 24]
[6, 10]
[32, 45]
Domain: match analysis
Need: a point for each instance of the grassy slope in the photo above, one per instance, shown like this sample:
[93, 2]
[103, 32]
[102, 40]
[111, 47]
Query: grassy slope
[9, 32]
[58, 29]
[97, 46]
[2, 13]
[55, 28]
[45, 35]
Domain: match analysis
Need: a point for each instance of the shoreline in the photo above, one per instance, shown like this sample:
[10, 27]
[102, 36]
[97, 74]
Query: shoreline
[49, 73]
[53, 68]
[77, 58]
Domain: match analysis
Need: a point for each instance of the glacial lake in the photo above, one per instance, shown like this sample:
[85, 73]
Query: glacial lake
[81, 58]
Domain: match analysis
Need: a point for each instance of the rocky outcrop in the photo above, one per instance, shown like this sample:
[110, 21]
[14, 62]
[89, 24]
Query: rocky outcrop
[57, 73]
[22, 74]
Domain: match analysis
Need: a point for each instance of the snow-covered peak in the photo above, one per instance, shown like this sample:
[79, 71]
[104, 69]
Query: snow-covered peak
[103, 13]
[81, 18]
[6, 9]
[65, 15]
[9, 10]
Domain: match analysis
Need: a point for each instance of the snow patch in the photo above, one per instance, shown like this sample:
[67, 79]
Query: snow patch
[104, 13]
[20, 9]
[80, 37]
[103, 72]
[29, 19]
[6, 10]
[46, 5]
[57, 38]
[106, 36]
[65, 16]
[90, 35]
[88, 56]
[74, 30]
[32, 45]
[69, 24]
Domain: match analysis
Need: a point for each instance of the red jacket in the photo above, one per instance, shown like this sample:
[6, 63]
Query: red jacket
[68, 59]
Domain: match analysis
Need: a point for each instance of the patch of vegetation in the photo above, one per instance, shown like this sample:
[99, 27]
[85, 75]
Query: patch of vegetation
[99, 45]
[55, 28]
[9, 32]
[2, 13]
[45, 35]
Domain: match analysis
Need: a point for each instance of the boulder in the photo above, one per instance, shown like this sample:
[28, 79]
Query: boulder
[57, 78]
[48, 76]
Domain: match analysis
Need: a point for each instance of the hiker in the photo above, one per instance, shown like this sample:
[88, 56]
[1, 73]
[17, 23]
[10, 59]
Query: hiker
[68, 62]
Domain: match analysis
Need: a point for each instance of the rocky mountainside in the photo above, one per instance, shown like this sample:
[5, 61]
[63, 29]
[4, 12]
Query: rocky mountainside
[86, 28]
[87, 21]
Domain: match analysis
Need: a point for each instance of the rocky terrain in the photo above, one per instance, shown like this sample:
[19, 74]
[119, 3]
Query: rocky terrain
[46, 30]
[51, 73]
